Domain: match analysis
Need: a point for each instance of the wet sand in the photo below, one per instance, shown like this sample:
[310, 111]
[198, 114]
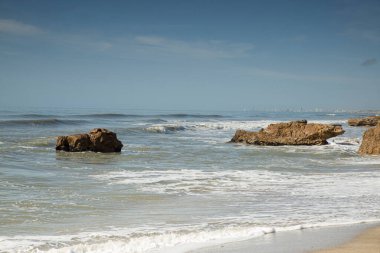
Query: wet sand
[354, 238]
[366, 242]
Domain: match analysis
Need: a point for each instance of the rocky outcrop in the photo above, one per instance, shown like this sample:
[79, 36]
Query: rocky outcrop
[371, 141]
[368, 121]
[97, 140]
[290, 133]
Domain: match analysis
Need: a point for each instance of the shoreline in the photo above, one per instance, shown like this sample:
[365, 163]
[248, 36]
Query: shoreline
[366, 242]
[332, 239]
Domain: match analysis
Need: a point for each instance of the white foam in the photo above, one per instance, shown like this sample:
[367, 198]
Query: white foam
[216, 127]
[27, 147]
[159, 241]
[244, 182]
[244, 125]
[345, 144]
[346, 141]
[253, 125]
[178, 125]
[338, 122]
[159, 128]
[124, 240]
[230, 125]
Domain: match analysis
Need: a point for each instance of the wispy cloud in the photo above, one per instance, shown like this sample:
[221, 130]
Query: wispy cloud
[132, 46]
[80, 41]
[18, 28]
[369, 62]
[197, 49]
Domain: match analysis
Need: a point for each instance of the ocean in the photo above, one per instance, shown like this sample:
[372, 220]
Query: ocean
[177, 185]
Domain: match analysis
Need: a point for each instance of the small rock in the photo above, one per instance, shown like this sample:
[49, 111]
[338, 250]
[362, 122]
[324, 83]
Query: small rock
[371, 141]
[290, 133]
[97, 140]
[368, 121]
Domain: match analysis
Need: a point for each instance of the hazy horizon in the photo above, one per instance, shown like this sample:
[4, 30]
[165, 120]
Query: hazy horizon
[190, 55]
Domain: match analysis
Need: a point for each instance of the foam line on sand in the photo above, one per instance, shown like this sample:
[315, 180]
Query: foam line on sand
[315, 240]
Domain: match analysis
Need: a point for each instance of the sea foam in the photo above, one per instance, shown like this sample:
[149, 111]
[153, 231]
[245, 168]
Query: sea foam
[148, 241]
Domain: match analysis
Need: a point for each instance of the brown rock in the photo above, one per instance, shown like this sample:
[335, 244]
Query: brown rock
[291, 133]
[97, 140]
[368, 121]
[371, 141]
[74, 143]
[104, 140]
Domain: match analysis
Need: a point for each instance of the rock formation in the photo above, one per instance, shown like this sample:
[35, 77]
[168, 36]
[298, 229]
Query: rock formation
[371, 141]
[97, 140]
[368, 121]
[291, 133]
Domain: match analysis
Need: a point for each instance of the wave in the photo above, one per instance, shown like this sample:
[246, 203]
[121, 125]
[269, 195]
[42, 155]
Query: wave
[345, 141]
[230, 124]
[40, 122]
[243, 182]
[156, 120]
[185, 115]
[109, 115]
[150, 240]
[122, 115]
[205, 126]
[36, 115]
[333, 122]
[164, 128]
[174, 126]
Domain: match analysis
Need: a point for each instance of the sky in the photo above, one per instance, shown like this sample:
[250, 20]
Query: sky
[190, 55]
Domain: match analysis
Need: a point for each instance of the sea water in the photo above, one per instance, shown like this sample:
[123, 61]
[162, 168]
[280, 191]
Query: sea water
[177, 184]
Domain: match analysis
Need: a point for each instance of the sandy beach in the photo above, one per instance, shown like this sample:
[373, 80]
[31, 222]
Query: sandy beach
[337, 239]
[366, 242]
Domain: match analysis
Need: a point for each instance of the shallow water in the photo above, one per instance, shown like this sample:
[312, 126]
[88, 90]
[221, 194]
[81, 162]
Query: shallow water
[176, 182]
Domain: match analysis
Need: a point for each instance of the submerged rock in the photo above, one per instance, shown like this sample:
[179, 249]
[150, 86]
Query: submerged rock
[368, 121]
[371, 141]
[97, 140]
[74, 143]
[290, 133]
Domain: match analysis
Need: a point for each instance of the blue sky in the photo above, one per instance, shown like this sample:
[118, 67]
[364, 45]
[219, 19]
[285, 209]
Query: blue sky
[190, 55]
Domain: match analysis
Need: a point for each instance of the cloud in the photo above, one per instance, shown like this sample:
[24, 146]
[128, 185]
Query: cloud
[152, 47]
[369, 62]
[80, 42]
[195, 49]
[18, 28]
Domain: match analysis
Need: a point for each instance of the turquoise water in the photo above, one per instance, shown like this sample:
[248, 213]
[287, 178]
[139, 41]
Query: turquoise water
[177, 184]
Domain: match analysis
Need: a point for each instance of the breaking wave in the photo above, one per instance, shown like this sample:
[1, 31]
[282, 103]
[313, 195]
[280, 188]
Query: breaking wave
[206, 125]
[122, 115]
[253, 125]
[147, 239]
[243, 182]
[164, 129]
[185, 115]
